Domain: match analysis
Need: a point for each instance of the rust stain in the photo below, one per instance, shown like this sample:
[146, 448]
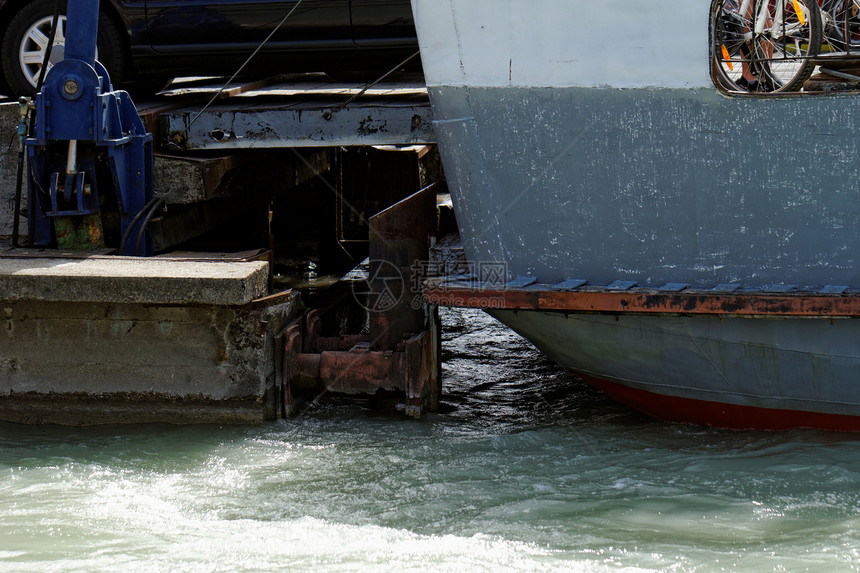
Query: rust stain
[689, 302]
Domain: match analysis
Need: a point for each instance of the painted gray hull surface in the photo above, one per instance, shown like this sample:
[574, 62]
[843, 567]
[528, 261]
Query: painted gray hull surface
[773, 373]
[655, 186]
[607, 157]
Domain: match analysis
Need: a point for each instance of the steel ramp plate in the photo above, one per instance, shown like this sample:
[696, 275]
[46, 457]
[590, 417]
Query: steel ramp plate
[521, 282]
[569, 284]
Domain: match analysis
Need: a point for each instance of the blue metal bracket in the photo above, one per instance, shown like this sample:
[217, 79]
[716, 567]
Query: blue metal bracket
[87, 135]
[621, 285]
[521, 282]
[569, 284]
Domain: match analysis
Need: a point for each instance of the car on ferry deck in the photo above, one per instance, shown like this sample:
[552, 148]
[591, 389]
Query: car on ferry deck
[147, 42]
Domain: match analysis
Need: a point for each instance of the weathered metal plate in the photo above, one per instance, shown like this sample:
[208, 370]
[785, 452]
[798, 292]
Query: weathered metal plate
[781, 288]
[521, 282]
[621, 285]
[569, 284]
[673, 287]
[303, 124]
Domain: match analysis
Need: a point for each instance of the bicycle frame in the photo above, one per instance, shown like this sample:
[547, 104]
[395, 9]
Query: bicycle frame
[777, 41]
[839, 34]
[763, 17]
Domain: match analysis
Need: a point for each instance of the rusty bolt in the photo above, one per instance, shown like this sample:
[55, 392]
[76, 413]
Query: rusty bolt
[71, 87]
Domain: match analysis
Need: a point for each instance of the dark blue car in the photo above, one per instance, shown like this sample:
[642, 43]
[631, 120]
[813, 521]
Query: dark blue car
[149, 41]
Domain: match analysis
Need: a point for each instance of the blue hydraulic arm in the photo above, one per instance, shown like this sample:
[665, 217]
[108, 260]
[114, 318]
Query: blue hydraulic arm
[89, 155]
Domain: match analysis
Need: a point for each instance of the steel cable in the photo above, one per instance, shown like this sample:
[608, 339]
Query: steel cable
[242, 67]
[29, 121]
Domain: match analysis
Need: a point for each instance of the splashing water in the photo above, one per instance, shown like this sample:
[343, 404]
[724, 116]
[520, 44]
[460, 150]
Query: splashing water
[525, 469]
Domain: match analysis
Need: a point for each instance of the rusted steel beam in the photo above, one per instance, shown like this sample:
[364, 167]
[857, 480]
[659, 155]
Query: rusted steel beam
[341, 343]
[421, 375]
[305, 368]
[306, 377]
[313, 329]
[402, 351]
[646, 301]
[399, 237]
[362, 371]
[291, 346]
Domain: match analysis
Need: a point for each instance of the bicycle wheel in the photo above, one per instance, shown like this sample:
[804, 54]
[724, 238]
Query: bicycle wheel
[777, 58]
[730, 43]
[841, 26]
[789, 43]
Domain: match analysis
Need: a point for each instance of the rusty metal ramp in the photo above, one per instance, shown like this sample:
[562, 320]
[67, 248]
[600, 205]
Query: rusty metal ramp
[307, 110]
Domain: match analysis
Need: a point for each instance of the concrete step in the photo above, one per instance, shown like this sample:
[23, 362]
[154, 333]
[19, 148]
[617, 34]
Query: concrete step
[190, 279]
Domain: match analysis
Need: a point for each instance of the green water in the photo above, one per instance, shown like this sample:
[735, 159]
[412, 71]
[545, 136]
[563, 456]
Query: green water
[525, 470]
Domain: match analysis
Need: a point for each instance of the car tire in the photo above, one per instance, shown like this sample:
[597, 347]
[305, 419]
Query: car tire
[35, 17]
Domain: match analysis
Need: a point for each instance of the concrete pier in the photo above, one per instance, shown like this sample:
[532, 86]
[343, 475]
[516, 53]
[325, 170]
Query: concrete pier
[96, 339]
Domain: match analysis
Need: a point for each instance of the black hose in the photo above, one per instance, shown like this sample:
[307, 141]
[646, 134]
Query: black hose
[134, 221]
[145, 223]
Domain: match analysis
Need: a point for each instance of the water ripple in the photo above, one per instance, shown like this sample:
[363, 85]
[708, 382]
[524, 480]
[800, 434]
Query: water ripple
[526, 468]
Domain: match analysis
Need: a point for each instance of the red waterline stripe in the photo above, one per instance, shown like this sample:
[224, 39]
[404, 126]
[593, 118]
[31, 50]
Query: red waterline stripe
[720, 415]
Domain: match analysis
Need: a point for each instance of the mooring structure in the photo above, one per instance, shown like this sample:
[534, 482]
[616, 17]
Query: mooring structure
[227, 322]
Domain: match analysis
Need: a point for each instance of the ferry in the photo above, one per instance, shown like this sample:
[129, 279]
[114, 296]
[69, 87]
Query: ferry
[686, 246]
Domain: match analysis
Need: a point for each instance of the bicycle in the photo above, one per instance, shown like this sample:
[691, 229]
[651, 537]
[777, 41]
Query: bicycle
[765, 46]
[841, 21]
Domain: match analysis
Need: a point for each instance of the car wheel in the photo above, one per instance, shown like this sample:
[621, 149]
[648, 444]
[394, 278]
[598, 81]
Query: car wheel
[26, 40]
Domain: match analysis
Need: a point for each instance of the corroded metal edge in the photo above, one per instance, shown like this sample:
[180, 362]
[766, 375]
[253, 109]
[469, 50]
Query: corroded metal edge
[640, 300]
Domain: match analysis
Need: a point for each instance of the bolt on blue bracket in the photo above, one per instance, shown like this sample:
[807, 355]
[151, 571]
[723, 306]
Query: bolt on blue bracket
[88, 139]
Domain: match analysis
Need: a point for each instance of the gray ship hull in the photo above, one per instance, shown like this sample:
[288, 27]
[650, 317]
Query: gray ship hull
[776, 373]
[654, 186]
[613, 159]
